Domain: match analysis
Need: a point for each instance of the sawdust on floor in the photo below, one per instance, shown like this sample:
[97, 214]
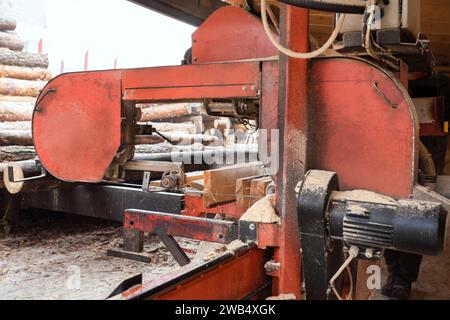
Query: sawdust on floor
[59, 256]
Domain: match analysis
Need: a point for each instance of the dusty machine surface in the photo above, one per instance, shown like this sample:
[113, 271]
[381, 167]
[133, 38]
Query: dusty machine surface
[342, 183]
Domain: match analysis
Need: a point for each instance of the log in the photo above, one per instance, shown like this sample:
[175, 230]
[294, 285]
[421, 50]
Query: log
[190, 177]
[7, 24]
[16, 111]
[164, 112]
[177, 138]
[17, 99]
[24, 73]
[11, 41]
[16, 138]
[23, 59]
[16, 87]
[17, 125]
[16, 153]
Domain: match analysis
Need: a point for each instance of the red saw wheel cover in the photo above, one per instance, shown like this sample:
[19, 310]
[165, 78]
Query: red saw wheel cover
[77, 126]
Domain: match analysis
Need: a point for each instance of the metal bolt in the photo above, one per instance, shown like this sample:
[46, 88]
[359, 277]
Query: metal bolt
[244, 88]
[252, 226]
[369, 253]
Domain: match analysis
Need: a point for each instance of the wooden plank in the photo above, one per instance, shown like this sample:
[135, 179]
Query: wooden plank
[243, 186]
[258, 189]
[198, 184]
[220, 184]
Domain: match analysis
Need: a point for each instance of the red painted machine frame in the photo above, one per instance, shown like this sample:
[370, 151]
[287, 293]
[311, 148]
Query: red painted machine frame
[326, 121]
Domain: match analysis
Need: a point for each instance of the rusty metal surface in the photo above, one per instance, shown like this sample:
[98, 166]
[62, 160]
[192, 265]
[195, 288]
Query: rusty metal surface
[357, 133]
[230, 34]
[192, 82]
[293, 116]
[102, 201]
[191, 12]
[76, 126]
[181, 226]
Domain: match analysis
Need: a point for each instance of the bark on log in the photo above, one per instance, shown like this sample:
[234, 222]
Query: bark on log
[17, 99]
[16, 153]
[16, 111]
[23, 59]
[11, 41]
[163, 112]
[16, 138]
[24, 73]
[16, 125]
[7, 24]
[16, 87]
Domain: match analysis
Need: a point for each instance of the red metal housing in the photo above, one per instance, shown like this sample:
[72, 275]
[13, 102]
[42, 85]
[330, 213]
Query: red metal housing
[76, 125]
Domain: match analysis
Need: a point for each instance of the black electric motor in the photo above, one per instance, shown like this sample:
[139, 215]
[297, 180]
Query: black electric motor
[378, 223]
[329, 219]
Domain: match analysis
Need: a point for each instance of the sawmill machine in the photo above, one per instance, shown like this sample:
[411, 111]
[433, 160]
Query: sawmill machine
[348, 136]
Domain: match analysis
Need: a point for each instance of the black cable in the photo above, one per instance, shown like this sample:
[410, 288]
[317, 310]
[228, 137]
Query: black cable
[165, 138]
[327, 6]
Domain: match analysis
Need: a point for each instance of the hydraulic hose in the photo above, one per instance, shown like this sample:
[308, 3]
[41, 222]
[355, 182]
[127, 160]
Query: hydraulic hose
[343, 6]
[293, 54]
[426, 160]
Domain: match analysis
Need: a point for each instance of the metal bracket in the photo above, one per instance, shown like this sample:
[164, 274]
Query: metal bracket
[146, 181]
[38, 107]
[321, 257]
[382, 95]
[38, 165]
[248, 231]
[174, 248]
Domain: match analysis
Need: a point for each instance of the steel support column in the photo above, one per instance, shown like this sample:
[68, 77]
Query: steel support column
[293, 125]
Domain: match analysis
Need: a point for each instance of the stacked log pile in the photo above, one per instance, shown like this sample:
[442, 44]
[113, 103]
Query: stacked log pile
[187, 120]
[22, 77]
[24, 74]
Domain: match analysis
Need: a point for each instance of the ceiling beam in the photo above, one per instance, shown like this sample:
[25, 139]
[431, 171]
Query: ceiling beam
[193, 12]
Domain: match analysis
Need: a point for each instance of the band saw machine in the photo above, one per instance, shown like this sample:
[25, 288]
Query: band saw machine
[348, 163]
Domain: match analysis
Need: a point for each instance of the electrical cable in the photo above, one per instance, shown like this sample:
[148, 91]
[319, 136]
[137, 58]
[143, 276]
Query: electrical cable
[353, 253]
[291, 53]
[357, 7]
